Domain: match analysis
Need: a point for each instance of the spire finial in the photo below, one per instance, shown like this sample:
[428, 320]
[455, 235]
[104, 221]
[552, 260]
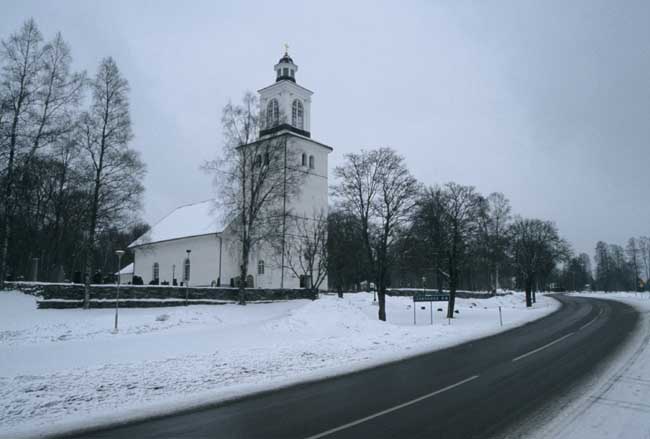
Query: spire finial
[286, 49]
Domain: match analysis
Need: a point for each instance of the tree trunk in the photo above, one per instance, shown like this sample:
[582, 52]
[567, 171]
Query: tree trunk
[242, 284]
[382, 303]
[89, 250]
[6, 226]
[453, 282]
[529, 287]
[94, 212]
[452, 295]
[243, 274]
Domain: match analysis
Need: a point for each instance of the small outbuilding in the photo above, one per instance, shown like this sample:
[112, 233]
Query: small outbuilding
[126, 274]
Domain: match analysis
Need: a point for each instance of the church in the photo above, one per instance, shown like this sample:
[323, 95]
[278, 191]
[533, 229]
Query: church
[192, 246]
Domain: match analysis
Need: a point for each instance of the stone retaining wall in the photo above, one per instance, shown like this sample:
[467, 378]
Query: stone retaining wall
[61, 295]
[462, 294]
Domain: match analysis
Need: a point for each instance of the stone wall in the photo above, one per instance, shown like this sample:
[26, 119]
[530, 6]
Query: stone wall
[64, 295]
[462, 294]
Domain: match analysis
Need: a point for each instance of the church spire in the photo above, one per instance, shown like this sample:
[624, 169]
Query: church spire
[285, 69]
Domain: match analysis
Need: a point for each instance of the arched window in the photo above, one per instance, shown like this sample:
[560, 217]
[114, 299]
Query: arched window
[297, 114]
[304, 159]
[260, 267]
[186, 270]
[156, 271]
[311, 162]
[272, 113]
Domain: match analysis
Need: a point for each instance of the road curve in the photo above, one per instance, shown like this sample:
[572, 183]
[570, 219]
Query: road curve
[473, 390]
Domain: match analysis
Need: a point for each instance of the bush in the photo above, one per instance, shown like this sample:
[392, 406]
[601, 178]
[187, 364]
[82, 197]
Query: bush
[137, 280]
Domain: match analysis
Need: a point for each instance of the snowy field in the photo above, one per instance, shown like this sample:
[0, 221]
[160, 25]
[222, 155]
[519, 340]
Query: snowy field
[64, 369]
[615, 403]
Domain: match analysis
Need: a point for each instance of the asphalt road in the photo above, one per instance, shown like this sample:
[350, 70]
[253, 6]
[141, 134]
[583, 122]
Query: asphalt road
[474, 390]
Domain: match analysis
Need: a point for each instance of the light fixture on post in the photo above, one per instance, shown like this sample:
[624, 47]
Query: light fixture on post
[119, 254]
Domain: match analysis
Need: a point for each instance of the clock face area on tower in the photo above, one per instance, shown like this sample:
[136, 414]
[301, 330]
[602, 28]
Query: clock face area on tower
[285, 105]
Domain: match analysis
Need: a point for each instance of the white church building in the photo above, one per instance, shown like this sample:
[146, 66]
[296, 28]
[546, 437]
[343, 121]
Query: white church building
[192, 243]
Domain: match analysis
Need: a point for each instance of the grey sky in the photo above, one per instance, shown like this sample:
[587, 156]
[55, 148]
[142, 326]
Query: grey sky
[547, 101]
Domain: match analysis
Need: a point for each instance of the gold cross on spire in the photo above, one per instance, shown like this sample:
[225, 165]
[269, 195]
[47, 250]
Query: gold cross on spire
[286, 49]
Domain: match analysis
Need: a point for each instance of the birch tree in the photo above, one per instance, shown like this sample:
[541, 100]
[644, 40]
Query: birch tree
[253, 177]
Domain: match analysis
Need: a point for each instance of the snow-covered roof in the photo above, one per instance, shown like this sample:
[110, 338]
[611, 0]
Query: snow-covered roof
[126, 270]
[183, 222]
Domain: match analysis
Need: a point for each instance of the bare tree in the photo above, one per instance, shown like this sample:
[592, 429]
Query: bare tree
[644, 256]
[376, 187]
[633, 256]
[347, 266]
[21, 57]
[428, 233]
[117, 170]
[57, 96]
[498, 214]
[534, 245]
[306, 249]
[462, 208]
[254, 177]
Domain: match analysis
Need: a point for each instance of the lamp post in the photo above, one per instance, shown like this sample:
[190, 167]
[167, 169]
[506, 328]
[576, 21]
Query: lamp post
[119, 254]
[187, 275]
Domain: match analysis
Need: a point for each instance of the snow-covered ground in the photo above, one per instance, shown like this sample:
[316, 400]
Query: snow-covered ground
[63, 369]
[615, 403]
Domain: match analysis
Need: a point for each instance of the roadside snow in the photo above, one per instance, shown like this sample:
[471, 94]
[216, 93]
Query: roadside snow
[64, 369]
[615, 403]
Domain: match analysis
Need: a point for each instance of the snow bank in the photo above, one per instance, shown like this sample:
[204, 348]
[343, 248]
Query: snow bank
[65, 369]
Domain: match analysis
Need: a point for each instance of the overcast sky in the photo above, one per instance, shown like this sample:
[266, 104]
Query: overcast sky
[546, 101]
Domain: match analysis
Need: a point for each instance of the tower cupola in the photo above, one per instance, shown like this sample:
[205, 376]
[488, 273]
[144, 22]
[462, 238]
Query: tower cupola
[285, 105]
[285, 69]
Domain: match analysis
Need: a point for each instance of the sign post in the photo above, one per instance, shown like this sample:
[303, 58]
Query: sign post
[428, 297]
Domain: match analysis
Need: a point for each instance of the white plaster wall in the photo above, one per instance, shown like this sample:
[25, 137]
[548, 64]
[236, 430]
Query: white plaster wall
[126, 278]
[204, 260]
[285, 92]
[314, 189]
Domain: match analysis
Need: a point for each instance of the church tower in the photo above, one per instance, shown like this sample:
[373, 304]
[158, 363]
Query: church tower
[285, 105]
[285, 110]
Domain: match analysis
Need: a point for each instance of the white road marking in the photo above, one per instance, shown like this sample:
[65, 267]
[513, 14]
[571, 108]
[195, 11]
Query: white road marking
[543, 347]
[587, 324]
[595, 318]
[392, 409]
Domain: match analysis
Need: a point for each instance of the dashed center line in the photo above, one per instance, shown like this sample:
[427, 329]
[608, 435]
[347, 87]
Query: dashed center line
[392, 409]
[543, 347]
[589, 323]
